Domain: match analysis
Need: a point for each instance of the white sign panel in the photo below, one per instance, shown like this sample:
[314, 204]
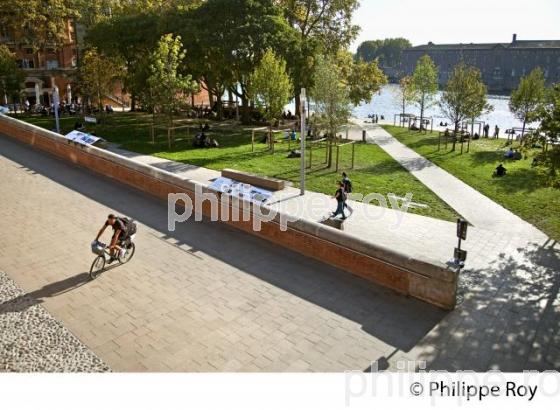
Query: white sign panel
[82, 137]
[241, 190]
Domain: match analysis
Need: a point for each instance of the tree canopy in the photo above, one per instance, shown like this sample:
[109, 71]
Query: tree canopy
[388, 51]
[528, 97]
[464, 96]
[11, 76]
[271, 86]
[425, 83]
[167, 87]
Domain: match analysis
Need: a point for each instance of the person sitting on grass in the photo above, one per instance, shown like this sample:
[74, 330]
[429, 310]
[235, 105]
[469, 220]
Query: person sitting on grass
[509, 153]
[500, 171]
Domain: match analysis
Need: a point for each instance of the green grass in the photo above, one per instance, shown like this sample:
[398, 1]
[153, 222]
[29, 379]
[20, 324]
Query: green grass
[375, 171]
[524, 190]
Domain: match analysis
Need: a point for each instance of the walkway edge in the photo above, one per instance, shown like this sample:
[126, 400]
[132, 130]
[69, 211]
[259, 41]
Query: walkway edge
[428, 281]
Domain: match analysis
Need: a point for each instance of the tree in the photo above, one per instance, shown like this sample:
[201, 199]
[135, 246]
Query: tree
[332, 100]
[166, 85]
[38, 22]
[271, 87]
[406, 93]
[97, 75]
[527, 98]
[128, 37]
[388, 51]
[11, 76]
[547, 134]
[239, 33]
[364, 80]
[464, 96]
[324, 27]
[425, 82]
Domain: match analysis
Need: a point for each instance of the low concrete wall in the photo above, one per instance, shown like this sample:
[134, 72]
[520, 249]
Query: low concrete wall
[428, 281]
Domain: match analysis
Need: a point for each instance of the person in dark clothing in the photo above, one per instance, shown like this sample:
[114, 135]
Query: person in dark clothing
[486, 130]
[500, 171]
[347, 189]
[340, 197]
[119, 233]
[496, 131]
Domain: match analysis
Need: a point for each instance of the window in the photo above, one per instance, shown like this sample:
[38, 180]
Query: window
[25, 63]
[513, 72]
[52, 64]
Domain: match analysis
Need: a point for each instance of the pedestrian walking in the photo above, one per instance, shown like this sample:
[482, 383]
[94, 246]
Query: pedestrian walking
[347, 190]
[496, 131]
[340, 197]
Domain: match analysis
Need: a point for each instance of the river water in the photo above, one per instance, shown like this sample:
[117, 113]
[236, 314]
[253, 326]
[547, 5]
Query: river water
[385, 103]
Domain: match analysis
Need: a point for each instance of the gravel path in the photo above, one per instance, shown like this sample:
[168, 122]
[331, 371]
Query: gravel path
[31, 340]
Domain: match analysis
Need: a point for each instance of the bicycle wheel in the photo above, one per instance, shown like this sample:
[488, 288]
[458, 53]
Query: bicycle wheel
[97, 267]
[129, 253]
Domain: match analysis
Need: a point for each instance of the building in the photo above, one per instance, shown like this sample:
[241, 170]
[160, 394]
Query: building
[502, 64]
[46, 68]
[56, 66]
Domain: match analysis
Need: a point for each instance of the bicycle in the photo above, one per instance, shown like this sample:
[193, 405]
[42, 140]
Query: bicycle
[125, 254]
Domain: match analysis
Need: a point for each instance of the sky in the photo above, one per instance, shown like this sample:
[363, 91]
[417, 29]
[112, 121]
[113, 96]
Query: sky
[458, 21]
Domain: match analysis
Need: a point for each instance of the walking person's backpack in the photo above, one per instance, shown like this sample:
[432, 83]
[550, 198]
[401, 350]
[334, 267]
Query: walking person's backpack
[347, 186]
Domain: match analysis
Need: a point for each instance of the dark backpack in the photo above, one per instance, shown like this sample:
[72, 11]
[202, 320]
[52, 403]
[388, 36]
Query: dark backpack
[130, 226]
[347, 186]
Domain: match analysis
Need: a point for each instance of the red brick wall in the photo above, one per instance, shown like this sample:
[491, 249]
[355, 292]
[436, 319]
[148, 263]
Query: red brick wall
[436, 286]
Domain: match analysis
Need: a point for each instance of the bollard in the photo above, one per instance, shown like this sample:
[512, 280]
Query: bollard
[363, 135]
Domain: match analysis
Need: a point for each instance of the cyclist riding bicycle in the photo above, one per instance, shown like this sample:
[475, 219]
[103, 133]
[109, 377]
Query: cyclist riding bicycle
[120, 234]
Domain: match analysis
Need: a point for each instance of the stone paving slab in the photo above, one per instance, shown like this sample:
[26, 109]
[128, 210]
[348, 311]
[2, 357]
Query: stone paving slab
[209, 298]
[206, 297]
[31, 340]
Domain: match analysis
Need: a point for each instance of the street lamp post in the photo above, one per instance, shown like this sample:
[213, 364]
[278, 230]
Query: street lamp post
[56, 102]
[302, 105]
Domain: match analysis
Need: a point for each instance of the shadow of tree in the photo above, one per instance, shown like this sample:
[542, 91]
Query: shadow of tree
[507, 319]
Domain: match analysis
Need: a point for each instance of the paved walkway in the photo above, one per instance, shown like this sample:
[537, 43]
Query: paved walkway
[207, 297]
[478, 209]
[31, 340]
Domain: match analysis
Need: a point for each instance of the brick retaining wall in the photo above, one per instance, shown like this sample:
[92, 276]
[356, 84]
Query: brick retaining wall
[428, 281]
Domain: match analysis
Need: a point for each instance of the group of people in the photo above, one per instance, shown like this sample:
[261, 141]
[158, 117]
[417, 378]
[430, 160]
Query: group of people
[512, 154]
[287, 115]
[486, 131]
[344, 187]
[375, 118]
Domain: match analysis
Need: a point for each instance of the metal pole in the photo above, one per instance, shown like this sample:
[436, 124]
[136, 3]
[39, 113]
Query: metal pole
[56, 100]
[303, 110]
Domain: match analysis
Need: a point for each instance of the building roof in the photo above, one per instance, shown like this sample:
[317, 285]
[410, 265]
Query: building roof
[518, 44]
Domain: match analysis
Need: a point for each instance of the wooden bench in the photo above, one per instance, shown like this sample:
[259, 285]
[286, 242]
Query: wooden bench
[272, 184]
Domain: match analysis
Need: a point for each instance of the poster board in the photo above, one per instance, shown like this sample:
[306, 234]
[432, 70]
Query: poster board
[82, 137]
[241, 190]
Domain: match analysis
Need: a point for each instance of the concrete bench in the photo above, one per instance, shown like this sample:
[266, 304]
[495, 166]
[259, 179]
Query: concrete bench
[272, 184]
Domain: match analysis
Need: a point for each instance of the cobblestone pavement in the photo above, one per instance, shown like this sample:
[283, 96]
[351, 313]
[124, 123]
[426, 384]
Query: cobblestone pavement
[207, 297]
[31, 340]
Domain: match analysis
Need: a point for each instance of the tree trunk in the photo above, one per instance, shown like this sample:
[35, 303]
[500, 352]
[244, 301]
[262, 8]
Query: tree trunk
[219, 109]
[245, 112]
[421, 114]
[455, 132]
[132, 102]
[522, 130]
[298, 104]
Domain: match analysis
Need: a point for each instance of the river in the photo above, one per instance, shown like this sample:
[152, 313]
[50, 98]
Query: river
[385, 104]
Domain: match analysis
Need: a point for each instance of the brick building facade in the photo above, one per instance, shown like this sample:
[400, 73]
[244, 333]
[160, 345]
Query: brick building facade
[502, 64]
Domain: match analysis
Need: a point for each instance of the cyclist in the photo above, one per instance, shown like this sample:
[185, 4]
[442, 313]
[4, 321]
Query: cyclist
[119, 233]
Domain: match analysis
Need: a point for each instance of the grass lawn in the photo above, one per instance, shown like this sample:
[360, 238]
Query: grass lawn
[523, 190]
[375, 171]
